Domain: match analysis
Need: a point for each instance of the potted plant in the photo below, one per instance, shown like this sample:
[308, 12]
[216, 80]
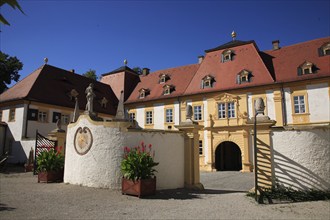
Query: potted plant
[138, 171]
[50, 165]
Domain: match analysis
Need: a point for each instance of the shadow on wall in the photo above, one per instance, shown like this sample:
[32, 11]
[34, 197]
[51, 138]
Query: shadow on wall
[14, 149]
[290, 173]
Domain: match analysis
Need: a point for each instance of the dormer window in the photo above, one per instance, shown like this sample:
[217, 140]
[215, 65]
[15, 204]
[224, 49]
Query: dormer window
[72, 94]
[143, 93]
[324, 50]
[244, 77]
[227, 55]
[168, 89]
[163, 78]
[104, 102]
[306, 68]
[207, 82]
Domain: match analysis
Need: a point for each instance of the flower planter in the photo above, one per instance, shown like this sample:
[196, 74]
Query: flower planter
[139, 188]
[50, 176]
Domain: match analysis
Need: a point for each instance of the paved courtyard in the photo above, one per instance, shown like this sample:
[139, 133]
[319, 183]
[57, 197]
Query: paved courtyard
[21, 197]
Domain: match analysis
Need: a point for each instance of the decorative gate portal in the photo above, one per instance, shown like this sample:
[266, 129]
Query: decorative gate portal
[42, 144]
[228, 157]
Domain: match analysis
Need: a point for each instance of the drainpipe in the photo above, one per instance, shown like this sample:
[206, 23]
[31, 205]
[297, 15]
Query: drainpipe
[26, 119]
[283, 106]
[179, 109]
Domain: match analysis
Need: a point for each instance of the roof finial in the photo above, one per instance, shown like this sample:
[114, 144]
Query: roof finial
[125, 62]
[46, 60]
[233, 35]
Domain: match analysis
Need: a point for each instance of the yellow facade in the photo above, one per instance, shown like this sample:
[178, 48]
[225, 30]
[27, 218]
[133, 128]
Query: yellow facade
[235, 130]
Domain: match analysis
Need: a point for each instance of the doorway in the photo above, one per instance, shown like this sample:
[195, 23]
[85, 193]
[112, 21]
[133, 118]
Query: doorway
[228, 157]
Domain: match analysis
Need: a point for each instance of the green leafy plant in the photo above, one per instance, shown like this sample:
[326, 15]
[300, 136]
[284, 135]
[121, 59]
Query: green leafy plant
[138, 162]
[50, 160]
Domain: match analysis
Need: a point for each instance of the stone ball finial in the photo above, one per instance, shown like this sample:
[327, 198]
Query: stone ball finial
[125, 62]
[233, 35]
[46, 60]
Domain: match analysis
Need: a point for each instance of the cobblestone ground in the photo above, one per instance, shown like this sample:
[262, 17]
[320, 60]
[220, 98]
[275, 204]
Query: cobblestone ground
[21, 197]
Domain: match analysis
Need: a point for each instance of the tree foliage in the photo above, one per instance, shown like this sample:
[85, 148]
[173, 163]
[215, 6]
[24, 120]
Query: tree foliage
[9, 67]
[14, 4]
[90, 74]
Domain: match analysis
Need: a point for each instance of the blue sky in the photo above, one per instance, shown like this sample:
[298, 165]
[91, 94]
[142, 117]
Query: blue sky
[99, 35]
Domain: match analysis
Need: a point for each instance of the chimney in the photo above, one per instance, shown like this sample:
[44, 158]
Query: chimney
[72, 70]
[200, 59]
[276, 44]
[145, 71]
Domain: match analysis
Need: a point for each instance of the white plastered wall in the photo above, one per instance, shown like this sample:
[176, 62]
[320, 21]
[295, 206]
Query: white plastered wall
[176, 113]
[100, 166]
[140, 116]
[301, 158]
[159, 116]
[270, 104]
[318, 99]
[287, 95]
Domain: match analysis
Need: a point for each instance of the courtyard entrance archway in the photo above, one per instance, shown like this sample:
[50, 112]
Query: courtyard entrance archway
[228, 157]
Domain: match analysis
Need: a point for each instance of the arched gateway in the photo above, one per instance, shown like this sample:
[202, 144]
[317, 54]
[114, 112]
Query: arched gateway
[228, 157]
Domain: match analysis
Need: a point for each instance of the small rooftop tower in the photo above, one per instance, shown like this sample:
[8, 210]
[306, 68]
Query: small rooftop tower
[125, 62]
[46, 60]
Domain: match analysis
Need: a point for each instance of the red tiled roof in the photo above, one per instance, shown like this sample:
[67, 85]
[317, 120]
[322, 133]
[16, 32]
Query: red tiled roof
[52, 85]
[287, 59]
[246, 57]
[179, 78]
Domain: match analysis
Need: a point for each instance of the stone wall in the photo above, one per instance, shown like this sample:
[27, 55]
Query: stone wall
[100, 166]
[302, 158]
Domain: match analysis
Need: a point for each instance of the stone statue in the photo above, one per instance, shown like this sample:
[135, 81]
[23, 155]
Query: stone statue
[59, 124]
[90, 98]
[189, 112]
[259, 106]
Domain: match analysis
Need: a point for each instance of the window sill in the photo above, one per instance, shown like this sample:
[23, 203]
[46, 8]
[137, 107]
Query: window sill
[300, 114]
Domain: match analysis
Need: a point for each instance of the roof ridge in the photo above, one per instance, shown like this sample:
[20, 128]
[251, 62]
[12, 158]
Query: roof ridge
[171, 68]
[296, 44]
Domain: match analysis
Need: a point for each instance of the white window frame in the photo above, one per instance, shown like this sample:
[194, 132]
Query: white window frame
[198, 113]
[162, 79]
[131, 116]
[149, 117]
[226, 110]
[167, 91]
[12, 114]
[169, 115]
[231, 109]
[142, 94]
[65, 119]
[299, 104]
[221, 110]
[42, 116]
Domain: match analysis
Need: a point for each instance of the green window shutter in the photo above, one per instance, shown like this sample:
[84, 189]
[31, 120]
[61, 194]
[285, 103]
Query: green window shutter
[321, 54]
[32, 115]
[299, 71]
[56, 116]
[238, 79]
